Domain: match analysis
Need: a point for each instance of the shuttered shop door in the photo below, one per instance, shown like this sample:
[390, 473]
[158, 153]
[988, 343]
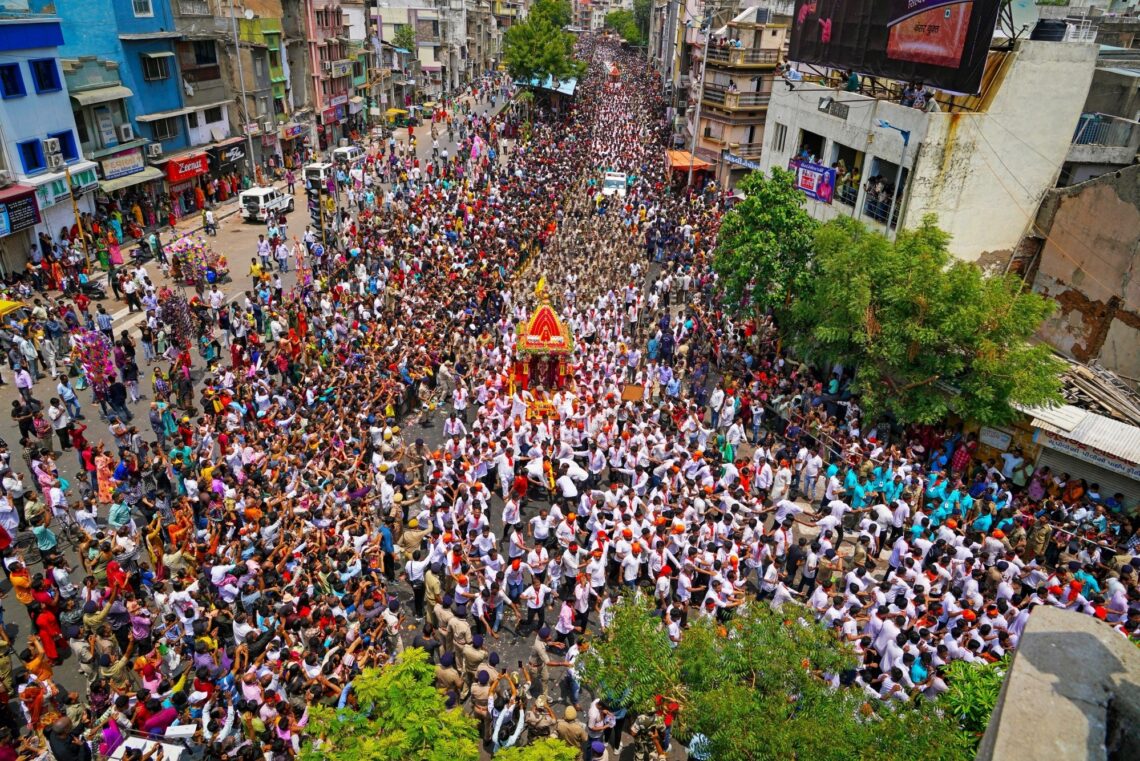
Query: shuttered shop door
[1110, 483]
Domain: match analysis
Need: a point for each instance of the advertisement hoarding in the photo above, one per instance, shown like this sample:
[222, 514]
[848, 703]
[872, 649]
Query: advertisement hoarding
[815, 180]
[940, 43]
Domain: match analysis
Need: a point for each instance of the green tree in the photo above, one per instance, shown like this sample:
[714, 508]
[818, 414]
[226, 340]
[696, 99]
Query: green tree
[399, 715]
[755, 689]
[642, 10]
[546, 749]
[538, 47]
[557, 12]
[927, 333]
[633, 656]
[625, 24]
[764, 245]
[973, 692]
[405, 37]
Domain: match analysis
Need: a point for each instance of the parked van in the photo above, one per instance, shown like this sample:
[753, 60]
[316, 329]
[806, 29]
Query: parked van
[348, 155]
[258, 203]
[319, 174]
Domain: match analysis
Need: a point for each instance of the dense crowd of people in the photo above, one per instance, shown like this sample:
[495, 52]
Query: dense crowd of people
[281, 524]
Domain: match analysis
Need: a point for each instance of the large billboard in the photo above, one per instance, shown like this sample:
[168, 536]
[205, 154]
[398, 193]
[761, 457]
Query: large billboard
[941, 43]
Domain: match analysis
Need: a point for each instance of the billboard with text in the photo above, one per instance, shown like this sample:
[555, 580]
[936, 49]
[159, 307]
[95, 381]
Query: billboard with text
[941, 43]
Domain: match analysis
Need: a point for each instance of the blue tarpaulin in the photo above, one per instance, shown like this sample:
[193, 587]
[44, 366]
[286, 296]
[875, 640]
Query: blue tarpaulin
[565, 87]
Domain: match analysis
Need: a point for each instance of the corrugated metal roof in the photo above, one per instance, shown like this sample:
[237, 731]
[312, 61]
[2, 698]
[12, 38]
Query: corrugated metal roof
[1063, 417]
[1102, 433]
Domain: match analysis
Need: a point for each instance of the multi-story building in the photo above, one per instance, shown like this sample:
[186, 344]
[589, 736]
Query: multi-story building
[508, 12]
[423, 67]
[981, 163]
[739, 76]
[330, 68]
[41, 155]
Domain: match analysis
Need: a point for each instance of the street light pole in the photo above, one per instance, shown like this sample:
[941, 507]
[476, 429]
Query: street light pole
[244, 100]
[905, 133]
[700, 97]
[78, 221]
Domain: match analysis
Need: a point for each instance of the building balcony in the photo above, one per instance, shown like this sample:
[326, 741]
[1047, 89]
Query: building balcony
[1104, 139]
[719, 96]
[743, 58]
[746, 150]
[193, 8]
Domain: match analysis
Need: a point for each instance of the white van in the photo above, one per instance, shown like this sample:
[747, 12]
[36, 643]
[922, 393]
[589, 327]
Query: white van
[348, 155]
[319, 174]
[614, 183]
[258, 203]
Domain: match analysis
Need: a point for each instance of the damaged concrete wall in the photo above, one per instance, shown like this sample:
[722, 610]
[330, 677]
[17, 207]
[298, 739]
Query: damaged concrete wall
[1089, 266]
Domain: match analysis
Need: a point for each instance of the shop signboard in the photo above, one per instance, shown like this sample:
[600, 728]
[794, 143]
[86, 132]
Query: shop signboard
[815, 180]
[18, 213]
[122, 164]
[186, 167]
[1087, 453]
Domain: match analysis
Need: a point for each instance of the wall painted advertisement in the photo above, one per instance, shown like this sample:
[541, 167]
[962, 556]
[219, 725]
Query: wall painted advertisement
[815, 180]
[941, 43]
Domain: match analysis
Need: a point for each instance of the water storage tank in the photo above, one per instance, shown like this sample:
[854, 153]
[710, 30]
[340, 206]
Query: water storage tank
[1049, 30]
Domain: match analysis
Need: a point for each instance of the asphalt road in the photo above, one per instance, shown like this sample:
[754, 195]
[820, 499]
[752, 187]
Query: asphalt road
[237, 240]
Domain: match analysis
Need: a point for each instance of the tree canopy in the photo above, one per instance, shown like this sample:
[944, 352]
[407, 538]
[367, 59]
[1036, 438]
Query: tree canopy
[642, 10]
[755, 689]
[624, 23]
[764, 244]
[399, 715]
[405, 37]
[538, 47]
[927, 333]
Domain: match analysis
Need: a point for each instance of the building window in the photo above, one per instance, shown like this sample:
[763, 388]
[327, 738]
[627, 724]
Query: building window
[66, 144]
[165, 129]
[45, 74]
[192, 119]
[155, 68]
[262, 106]
[213, 115]
[32, 156]
[205, 54]
[142, 8]
[258, 68]
[779, 135]
[357, 69]
[11, 81]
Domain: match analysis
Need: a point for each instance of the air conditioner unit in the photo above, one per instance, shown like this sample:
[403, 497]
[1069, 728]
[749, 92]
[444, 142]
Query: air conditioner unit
[51, 145]
[5, 178]
[126, 133]
[55, 161]
[154, 150]
[270, 127]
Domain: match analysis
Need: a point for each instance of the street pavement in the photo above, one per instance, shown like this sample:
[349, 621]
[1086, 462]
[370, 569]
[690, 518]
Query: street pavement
[237, 240]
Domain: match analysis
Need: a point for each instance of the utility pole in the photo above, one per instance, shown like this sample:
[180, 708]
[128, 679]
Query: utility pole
[78, 221]
[700, 97]
[244, 118]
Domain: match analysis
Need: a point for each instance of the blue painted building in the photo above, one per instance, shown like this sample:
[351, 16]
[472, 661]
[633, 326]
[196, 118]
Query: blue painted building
[139, 35]
[39, 142]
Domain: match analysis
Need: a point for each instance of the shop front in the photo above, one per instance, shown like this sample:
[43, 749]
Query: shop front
[293, 138]
[1103, 451]
[227, 165]
[184, 175]
[134, 188]
[19, 215]
[356, 116]
[333, 122]
[270, 151]
[53, 196]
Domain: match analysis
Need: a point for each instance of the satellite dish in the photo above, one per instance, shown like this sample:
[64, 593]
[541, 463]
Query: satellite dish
[249, 14]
